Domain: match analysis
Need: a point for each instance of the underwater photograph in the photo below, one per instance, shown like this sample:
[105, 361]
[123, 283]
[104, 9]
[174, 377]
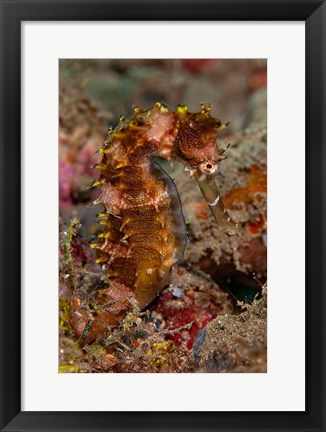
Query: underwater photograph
[162, 216]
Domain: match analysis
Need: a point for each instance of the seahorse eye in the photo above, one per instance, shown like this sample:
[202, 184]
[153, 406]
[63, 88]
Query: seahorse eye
[209, 168]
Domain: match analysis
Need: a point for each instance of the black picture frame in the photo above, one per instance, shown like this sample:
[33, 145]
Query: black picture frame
[12, 14]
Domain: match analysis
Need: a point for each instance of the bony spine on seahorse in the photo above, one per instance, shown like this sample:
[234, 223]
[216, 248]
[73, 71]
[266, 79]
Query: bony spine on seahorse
[144, 232]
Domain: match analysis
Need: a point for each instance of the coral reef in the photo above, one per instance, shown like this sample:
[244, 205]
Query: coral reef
[211, 316]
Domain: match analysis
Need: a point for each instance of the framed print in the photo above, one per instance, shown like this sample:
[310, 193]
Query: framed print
[145, 149]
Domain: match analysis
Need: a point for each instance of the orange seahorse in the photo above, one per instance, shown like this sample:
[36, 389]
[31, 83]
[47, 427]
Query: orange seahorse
[144, 232]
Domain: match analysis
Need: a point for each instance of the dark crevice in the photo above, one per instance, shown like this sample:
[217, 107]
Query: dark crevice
[241, 286]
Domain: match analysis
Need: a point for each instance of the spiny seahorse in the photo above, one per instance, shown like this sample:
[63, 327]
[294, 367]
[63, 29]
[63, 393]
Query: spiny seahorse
[144, 232]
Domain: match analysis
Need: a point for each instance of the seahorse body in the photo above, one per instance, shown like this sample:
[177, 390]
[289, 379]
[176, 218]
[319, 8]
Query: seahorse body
[144, 231]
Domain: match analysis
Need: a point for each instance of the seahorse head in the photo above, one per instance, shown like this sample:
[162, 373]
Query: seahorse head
[195, 143]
